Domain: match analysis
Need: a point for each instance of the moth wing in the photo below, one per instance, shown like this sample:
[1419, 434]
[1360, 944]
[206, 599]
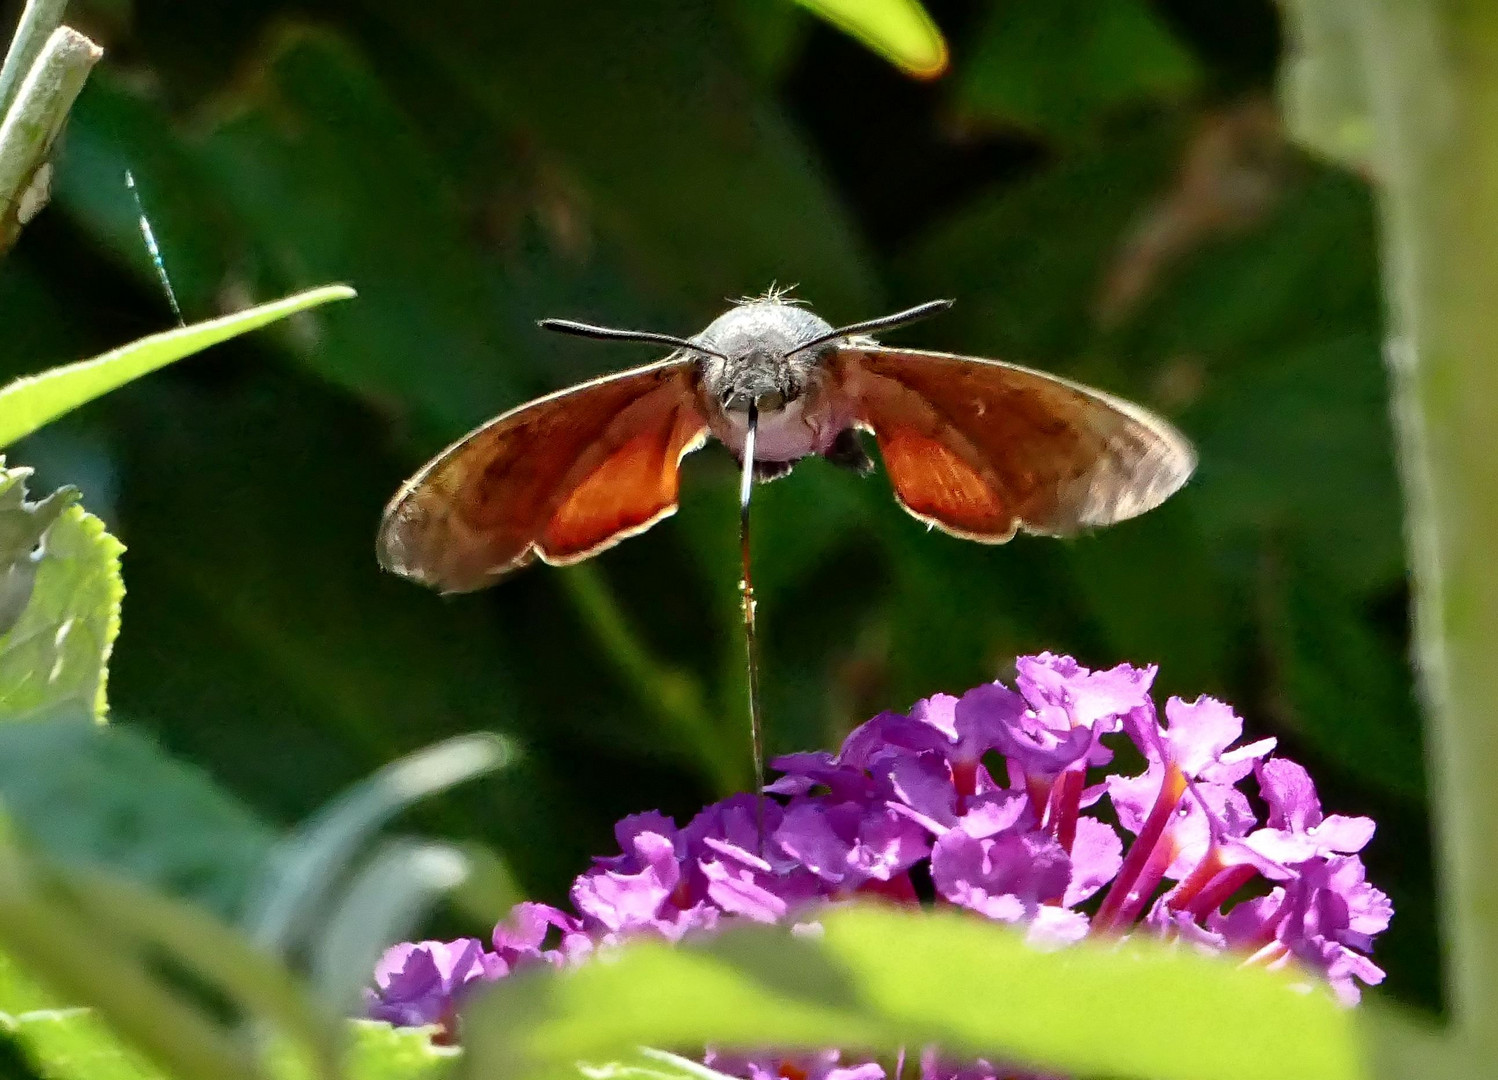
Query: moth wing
[561, 478]
[981, 448]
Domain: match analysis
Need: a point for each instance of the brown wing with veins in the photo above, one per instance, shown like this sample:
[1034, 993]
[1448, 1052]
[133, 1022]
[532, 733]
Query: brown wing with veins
[563, 478]
[980, 448]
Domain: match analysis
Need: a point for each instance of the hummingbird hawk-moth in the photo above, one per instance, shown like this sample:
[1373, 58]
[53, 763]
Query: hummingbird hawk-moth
[978, 448]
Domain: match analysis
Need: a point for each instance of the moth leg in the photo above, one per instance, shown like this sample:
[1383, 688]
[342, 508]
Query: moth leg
[848, 452]
[765, 471]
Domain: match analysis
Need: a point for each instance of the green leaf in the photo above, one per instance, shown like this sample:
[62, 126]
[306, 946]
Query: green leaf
[1262, 428]
[59, 602]
[283, 630]
[311, 862]
[74, 1044]
[123, 804]
[19, 992]
[44, 929]
[648, 1064]
[434, 332]
[381, 1052]
[1058, 67]
[877, 978]
[1324, 82]
[898, 30]
[29, 403]
[1339, 682]
[117, 125]
[22, 525]
[722, 200]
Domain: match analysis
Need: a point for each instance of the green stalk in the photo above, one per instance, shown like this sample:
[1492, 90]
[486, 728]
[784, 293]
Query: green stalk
[33, 121]
[1411, 88]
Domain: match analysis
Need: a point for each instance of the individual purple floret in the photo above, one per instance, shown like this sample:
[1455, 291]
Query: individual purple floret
[420, 984]
[1051, 840]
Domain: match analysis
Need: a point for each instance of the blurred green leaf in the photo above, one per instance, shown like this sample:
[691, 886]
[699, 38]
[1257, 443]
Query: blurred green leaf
[60, 596]
[1025, 260]
[1340, 684]
[1323, 81]
[109, 797]
[1300, 443]
[115, 126]
[19, 992]
[881, 977]
[274, 618]
[681, 172]
[309, 863]
[381, 1052]
[899, 30]
[309, 157]
[1058, 67]
[44, 929]
[648, 1064]
[1188, 626]
[773, 33]
[28, 403]
[73, 1044]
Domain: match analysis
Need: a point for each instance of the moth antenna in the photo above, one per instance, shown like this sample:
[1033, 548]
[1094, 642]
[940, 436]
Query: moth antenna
[149, 236]
[884, 322]
[746, 590]
[609, 333]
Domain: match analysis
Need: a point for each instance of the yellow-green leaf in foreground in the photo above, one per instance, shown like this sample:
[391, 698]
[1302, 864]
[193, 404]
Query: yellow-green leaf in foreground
[60, 593]
[878, 978]
[899, 30]
[35, 400]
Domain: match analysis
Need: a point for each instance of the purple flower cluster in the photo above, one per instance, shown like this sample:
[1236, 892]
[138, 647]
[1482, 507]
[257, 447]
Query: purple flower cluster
[1000, 801]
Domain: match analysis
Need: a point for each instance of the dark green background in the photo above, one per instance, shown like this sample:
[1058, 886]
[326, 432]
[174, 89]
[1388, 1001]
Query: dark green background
[1099, 183]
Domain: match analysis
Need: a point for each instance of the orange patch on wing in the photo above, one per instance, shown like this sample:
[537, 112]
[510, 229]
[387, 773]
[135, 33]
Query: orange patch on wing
[627, 492]
[937, 484]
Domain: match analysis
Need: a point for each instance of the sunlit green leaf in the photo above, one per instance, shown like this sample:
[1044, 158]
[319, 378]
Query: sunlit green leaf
[878, 978]
[19, 992]
[74, 1044]
[899, 30]
[381, 1052]
[30, 402]
[60, 601]
[649, 1064]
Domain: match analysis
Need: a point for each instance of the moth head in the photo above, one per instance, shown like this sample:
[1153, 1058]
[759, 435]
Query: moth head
[764, 352]
[758, 354]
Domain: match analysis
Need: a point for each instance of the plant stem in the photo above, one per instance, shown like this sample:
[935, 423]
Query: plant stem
[33, 120]
[38, 21]
[1427, 75]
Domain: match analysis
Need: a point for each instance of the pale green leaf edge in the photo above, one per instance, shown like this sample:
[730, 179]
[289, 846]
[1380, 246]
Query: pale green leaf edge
[109, 550]
[899, 30]
[32, 401]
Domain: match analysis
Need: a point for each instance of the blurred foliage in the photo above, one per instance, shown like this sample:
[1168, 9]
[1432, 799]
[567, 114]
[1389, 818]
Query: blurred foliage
[881, 976]
[1119, 206]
